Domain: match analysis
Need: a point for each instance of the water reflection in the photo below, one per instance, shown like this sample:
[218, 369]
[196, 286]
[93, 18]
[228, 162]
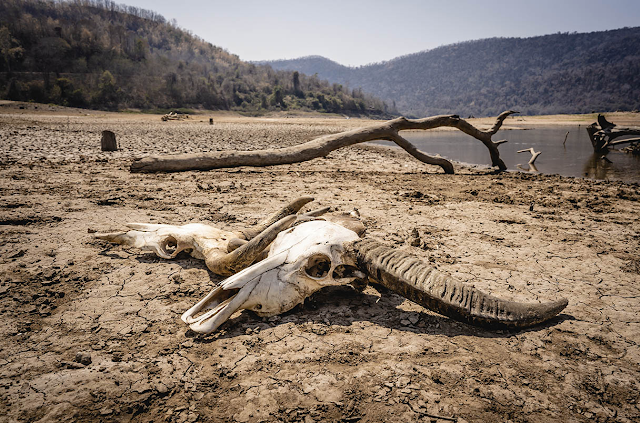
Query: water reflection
[528, 168]
[598, 167]
[565, 154]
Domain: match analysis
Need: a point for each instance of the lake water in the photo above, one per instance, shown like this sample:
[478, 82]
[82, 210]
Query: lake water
[575, 158]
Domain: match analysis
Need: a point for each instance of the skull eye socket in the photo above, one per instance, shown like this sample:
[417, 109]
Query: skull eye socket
[318, 266]
[170, 244]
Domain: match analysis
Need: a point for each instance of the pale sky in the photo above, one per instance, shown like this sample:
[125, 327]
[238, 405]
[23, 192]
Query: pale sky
[358, 32]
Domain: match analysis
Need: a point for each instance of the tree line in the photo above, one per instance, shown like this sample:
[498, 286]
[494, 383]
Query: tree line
[557, 73]
[99, 54]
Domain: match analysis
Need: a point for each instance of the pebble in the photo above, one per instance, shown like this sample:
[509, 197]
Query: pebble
[161, 388]
[402, 382]
[83, 357]
[106, 411]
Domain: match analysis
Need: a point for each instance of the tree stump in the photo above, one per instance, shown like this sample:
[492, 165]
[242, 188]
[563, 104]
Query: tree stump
[109, 142]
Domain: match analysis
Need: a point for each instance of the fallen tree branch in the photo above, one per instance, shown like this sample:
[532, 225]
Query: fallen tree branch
[322, 146]
[603, 133]
[534, 154]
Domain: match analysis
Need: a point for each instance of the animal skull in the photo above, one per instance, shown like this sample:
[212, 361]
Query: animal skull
[224, 252]
[309, 256]
[301, 260]
[169, 240]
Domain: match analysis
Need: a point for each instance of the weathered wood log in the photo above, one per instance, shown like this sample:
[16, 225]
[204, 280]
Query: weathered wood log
[322, 146]
[108, 141]
[534, 154]
[603, 133]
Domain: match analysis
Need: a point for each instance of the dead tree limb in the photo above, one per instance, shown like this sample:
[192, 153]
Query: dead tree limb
[603, 133]
[322, 146]
[534, 154]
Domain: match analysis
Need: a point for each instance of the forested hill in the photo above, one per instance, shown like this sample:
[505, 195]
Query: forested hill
[560, 73]
[96, 53]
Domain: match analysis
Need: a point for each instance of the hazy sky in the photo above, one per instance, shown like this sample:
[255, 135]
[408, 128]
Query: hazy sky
[357, 32]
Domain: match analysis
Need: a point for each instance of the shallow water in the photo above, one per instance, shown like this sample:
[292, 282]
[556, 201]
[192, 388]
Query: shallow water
[575, 158]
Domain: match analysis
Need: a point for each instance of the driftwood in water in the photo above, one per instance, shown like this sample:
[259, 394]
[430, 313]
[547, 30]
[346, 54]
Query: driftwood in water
[534, 154]
[108, 141]
[322, 146]
[603, 133]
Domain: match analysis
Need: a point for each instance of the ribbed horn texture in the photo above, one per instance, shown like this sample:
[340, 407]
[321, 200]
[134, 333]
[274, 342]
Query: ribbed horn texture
[416, 280]
[291, 208]
[245, 255]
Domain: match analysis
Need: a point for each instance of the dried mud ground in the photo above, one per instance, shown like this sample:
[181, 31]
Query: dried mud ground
[92, 332]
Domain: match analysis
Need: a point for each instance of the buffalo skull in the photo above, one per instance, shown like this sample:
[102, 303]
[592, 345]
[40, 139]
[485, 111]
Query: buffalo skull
[307, 253]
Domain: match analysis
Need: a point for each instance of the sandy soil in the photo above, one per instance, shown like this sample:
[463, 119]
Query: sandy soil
[91, 331]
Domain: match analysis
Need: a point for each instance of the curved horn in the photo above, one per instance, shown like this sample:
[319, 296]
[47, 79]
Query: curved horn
[317, 212]
[420, 282]
[245, 255]
[291, 208]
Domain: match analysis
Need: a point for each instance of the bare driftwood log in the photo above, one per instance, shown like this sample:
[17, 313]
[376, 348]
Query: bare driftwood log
[603, 133]
[534, 154]
[322, 146]
[108, 141]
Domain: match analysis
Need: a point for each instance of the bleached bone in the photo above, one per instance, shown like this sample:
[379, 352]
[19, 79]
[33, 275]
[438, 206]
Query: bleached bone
[224, 252]
[315, 254]
[302, 260]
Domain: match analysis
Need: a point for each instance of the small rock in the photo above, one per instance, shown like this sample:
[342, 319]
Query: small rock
[402, 382]
[83, 357]
[106, 411]
[414, 238]
[405, 322]
[413, 318]
[161, 388]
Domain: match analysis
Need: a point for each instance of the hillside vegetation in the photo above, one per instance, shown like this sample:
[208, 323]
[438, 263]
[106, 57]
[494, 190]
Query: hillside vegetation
[559, 73]
[96, 53]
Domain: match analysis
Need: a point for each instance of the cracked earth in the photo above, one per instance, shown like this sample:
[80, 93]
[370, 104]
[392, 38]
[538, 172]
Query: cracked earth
[92, 331]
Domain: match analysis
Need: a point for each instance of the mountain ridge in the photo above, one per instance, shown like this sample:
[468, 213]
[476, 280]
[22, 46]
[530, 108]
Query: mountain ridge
[555, 73]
